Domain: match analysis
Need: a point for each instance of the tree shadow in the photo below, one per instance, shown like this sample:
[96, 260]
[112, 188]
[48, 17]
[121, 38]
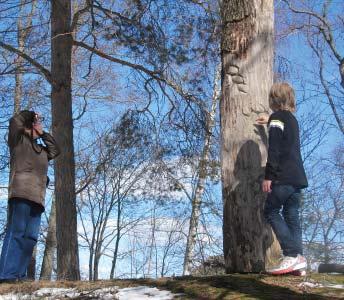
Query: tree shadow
[247, 236]
[235, 286]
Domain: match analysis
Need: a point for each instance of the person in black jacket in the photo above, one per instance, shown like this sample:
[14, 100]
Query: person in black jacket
[284, 178]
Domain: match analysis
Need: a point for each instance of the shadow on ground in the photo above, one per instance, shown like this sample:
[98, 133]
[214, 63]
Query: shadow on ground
[239, 286]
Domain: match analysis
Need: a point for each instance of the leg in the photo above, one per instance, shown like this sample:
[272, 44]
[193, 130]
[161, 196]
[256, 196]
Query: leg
[12, 247]
[276, 199]
[291, 216]
[30, 239]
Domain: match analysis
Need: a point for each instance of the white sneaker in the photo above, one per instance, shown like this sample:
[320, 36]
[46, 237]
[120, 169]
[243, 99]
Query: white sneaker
[286, 266]
[301, 263]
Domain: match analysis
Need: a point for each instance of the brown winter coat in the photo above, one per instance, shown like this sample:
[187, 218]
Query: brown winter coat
[28, 162]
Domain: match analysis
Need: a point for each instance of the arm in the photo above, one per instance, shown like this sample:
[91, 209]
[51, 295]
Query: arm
[18, 125]
[263, 119]
[51, 146]
[276, 128]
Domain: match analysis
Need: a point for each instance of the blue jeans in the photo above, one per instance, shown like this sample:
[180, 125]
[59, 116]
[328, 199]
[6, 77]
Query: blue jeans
[282, 212]
[24, 218]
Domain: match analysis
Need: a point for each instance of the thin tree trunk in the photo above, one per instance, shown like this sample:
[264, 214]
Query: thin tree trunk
[90, 266]
[50, 245]
[18, 95]
[23, 31]
[18, 90]
[247, 61]
[202, 175]
[96, 264]
[61, 99]
[152, 240]
[118, 237]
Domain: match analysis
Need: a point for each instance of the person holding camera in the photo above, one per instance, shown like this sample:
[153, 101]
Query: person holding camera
[30, 150]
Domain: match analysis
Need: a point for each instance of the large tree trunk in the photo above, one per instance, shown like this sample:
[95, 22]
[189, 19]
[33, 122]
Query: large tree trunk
[61, 98]
[50, 245]
[202, 175]
[247, 60]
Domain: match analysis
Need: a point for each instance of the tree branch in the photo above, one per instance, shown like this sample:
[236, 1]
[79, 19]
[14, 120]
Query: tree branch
[326, 88]
[77, 16]
[45, 72]
[328, 37]
[153, 74]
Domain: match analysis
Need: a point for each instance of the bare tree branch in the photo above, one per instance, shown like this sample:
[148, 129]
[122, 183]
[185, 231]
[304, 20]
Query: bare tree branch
[45, 72]
[325, 86]
[328, 36]
[157, 75]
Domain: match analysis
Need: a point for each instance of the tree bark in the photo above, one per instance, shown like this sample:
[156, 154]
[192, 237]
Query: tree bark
[247, 72]
[50, 245]
[18, 90]
[118, 237]
[23, 31]
[61, 99]
[202, 175]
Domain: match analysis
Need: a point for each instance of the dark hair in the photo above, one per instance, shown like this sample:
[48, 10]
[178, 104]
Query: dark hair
[29, 117]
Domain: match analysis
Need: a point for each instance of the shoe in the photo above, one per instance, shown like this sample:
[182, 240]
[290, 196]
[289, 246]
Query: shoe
[301, 263]
[300, 272]
[286, 266]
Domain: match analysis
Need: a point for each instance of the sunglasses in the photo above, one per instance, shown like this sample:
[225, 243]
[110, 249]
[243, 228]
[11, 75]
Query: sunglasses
[39, 119]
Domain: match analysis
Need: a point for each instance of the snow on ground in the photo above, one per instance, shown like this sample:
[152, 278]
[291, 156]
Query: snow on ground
[143, 293]
[133, 293]
[307, 284]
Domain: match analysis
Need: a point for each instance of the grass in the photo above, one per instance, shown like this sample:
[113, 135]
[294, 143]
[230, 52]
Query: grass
[234, 286]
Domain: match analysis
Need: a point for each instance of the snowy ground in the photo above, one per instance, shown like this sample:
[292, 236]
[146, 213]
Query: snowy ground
[319, 285]
[132, 293]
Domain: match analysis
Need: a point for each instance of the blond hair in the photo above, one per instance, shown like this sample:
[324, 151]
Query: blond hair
[282, 97]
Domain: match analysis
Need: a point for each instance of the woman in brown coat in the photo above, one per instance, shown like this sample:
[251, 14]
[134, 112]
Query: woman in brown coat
[30, 150]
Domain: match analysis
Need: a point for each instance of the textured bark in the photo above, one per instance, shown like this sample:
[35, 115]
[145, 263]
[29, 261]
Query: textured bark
[202, 175]
[247, 61]
[61, 98]
[50, 245]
